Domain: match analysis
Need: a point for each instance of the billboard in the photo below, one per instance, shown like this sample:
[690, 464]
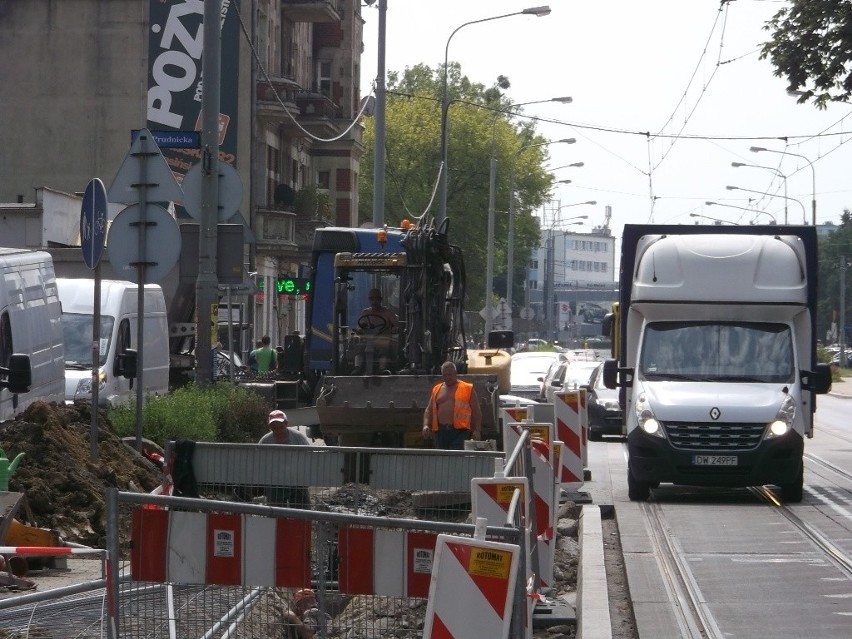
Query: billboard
[175, 46]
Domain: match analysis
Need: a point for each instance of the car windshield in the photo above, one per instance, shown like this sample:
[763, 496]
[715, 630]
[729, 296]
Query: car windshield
[717, 351]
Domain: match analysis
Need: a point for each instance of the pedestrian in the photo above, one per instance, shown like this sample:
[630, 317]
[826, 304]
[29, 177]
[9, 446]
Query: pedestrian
[304, 619]
[265, 356]
[453, 414]
[281, 433]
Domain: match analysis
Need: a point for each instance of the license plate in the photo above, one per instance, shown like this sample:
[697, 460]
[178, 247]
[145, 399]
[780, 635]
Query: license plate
[714, 460]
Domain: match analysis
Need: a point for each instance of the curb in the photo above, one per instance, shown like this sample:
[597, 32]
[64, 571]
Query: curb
[593, 620]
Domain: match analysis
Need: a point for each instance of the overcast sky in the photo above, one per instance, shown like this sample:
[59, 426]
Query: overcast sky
[685, 71]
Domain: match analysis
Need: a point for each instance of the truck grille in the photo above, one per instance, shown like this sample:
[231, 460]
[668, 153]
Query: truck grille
[714, 436]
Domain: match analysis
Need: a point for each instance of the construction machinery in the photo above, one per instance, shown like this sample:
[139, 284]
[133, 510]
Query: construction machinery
[371, 380]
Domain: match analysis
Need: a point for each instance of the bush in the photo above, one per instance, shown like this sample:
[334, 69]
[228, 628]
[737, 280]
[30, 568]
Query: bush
[221, 413]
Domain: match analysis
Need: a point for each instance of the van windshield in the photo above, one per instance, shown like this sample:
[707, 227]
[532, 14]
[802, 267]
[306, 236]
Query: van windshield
[77, 333]
[718, 351]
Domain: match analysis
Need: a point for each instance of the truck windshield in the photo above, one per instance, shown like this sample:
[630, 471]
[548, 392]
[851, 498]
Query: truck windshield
[717, 351]
[77, 333]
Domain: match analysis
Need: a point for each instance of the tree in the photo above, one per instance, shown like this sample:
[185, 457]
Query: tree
[832, 248]
[479, 125]
[811, 47]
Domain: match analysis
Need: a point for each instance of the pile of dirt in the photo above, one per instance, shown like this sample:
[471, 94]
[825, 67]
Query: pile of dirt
[64, 490]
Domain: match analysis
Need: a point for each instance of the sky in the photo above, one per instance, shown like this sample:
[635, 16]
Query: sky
[666, 95]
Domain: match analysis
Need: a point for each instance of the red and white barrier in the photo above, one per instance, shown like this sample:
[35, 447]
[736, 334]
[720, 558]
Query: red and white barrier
[491, 497]
[470, 593]
[49, 550]
[513, 415]
[584, 424]
[390, 563]
[567, 408]
[222, 549]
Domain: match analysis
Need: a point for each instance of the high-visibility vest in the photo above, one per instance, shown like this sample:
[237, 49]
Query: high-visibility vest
[461, 408]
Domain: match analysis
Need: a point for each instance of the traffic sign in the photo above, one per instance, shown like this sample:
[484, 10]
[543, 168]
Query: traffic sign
[173, 139]
[93, 222]
[230, 191]
[162, 242]
[160, 183]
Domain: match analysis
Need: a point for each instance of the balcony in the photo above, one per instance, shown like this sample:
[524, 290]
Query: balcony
[317, 11]
[318, 113]
[275, 228]
[271, 107]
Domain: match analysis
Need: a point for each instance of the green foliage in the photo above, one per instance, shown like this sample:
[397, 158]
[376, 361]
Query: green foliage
[221, 413]
[833, 248]
[309, 200]
[811, 47]
[479, 128]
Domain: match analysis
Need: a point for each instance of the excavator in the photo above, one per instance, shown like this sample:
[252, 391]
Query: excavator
[372, 375]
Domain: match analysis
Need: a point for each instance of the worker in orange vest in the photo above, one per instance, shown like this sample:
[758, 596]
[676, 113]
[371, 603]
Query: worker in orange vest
[453, 414]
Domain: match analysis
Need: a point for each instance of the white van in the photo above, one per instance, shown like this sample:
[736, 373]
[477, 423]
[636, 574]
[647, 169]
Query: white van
[32, 365]
[118, 334]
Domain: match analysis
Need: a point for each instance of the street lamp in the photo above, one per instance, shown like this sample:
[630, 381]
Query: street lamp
[739, 188]
[568, 166]
[774, 170]
[741, 208]
[445, 105]
[511, 247]
[712, 219]
[758, 149]
[492, 187]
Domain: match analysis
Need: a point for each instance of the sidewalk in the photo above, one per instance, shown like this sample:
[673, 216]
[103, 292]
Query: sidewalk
[843, 388]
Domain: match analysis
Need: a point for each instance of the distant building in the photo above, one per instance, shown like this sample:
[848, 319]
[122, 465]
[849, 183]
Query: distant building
[576, 272]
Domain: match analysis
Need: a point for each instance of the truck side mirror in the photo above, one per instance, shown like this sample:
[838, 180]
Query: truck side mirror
[818, 381]
[610, 373]
[127, 363]
[19, 374]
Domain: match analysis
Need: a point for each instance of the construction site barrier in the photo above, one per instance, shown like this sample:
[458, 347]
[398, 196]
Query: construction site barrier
[568, 413]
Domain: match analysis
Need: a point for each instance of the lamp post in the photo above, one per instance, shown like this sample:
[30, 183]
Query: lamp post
[741, 208]
[381, 101]
[759, 149]
[739, 188]
[511, 245]
[492, 186]
[774, 170]
[568, 166]
[445, 104]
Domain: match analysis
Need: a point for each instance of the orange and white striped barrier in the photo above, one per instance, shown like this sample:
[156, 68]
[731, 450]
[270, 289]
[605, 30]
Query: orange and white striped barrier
[390, 563]
[222, 549]
[584, 424]
[569, 430]
[491, 497]
[514, 414]
[471, 590]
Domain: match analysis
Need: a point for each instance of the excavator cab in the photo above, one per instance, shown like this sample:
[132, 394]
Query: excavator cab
[367, 326]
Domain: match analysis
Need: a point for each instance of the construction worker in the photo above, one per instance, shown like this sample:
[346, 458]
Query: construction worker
[452, 415]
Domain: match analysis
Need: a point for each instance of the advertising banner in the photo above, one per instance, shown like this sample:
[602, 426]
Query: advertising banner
[175, 46]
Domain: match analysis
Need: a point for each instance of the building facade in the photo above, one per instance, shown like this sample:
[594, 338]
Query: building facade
[81, 75]
[571, 279]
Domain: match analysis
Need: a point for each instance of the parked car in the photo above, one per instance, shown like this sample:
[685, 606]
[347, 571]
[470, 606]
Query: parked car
[569, 376]
[605, 416]
[527, 369]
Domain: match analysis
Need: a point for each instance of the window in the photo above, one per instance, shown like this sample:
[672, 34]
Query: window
[324, 180]
[324, 77]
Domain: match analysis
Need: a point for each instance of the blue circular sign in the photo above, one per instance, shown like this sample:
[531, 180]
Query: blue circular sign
[93, 222]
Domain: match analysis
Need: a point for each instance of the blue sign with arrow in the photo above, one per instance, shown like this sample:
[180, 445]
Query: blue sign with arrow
[93, 222]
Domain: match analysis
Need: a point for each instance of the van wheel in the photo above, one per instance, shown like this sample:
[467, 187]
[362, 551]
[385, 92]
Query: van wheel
[637, 490]
[792, 493]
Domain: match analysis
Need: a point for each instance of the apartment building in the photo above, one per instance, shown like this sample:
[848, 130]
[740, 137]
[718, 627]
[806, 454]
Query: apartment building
[80, 75]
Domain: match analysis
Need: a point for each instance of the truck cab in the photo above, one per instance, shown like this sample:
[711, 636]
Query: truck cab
[717, 356]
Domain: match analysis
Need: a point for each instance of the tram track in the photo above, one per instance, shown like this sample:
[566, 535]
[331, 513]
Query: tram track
[693, 617]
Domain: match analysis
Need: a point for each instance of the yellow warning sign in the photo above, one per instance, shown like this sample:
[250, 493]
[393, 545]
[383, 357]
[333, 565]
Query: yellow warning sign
[504, 492]
[487, 562]
[541, 432]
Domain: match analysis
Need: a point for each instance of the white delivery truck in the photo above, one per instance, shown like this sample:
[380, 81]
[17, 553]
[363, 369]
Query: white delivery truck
[715, 334]
[31, 351]
[118, 334]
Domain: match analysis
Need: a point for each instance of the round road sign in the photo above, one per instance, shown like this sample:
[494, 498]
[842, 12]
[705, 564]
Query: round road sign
[230, 191]
[162, 243]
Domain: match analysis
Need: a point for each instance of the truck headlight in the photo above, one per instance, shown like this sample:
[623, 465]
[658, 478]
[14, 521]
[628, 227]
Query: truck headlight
[646, 420]
[783, 422]
[84, 386]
